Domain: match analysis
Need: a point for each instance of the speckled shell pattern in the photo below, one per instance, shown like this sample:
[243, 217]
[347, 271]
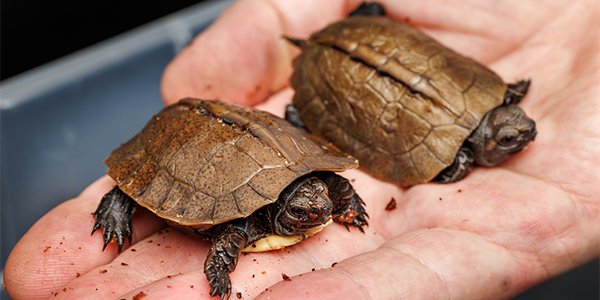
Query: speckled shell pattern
[199, 163]
[393, 97]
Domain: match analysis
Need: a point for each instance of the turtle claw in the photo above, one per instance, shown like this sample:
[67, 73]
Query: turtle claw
[113, 216]
[221, 286]
[355, 216]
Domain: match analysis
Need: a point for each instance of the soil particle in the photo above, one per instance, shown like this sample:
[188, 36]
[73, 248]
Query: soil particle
[391, 205]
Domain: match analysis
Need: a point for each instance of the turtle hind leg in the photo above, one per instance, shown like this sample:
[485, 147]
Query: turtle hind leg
[113, 216]
[292, 115]
[368, 9]
[348, 207]
[462, 165]
[223, 257]
[516, 91]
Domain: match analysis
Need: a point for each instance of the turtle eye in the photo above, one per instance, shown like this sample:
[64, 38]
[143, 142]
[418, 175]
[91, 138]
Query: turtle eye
[298, 212]
[508, 137]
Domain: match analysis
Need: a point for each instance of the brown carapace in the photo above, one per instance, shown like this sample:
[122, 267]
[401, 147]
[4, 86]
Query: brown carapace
[230, 174]
[402, 103]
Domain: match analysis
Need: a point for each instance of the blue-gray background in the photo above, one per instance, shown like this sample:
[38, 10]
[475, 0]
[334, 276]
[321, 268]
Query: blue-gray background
[59, 121]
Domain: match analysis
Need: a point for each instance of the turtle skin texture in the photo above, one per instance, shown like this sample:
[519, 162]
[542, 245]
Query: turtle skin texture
[228, 174]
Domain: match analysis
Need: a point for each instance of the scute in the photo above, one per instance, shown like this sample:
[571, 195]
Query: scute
[384, 91]
[199, 162]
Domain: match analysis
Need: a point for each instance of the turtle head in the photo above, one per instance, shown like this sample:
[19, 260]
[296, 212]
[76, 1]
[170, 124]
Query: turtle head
[307, 205]
[503, 132]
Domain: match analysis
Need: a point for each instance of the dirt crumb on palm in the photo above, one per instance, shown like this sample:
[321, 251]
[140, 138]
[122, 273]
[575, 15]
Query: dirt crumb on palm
[285, 277]
[391, 205]
[139, 296]
[238, 295]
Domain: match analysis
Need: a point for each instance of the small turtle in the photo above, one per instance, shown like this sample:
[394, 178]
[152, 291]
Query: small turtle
[238, 177]
[410, 109]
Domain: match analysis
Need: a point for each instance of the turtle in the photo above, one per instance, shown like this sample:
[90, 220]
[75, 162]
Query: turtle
[410, 109]
[237, 177]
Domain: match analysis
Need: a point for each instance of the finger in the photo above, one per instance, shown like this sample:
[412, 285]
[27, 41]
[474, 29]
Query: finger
[58, 248]
[242, 57]
[170, 260]
[161, 255]
[422, 264]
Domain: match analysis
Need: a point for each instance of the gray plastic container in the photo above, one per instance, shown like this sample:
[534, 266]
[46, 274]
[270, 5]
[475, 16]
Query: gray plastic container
[58, 122]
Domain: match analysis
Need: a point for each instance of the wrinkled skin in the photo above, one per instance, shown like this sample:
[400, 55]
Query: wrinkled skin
[512, 226]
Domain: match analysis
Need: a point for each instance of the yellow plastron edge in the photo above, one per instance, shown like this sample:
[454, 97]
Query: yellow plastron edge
[276, 242]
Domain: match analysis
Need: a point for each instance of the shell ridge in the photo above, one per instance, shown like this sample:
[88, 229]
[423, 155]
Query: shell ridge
[263, 133]
[413, 81]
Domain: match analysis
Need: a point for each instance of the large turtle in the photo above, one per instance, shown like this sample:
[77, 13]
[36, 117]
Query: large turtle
[410, 109]
[232, 175]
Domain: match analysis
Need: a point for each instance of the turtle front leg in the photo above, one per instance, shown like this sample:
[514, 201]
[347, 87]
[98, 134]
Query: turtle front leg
[113, 215]
[462, 165]
[292, 115]
[348, 207]
[223, 257]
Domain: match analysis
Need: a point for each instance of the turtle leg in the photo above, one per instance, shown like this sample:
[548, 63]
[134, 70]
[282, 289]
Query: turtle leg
[292, 115]
[368, 9]
[516, 91]
[348, 207]
[223, 257]
[462, 165]
[113, 215]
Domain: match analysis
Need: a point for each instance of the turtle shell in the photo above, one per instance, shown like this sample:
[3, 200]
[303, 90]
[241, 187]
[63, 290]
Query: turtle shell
[393, 97]
[199, 163]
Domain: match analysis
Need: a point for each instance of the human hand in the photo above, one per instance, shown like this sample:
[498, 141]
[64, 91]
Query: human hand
[491, 235]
